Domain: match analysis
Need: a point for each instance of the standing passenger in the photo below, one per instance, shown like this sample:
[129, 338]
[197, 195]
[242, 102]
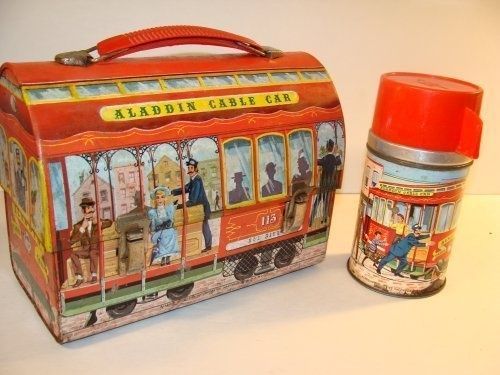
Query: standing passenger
[328, 180]
[85, 232]
[197, 196]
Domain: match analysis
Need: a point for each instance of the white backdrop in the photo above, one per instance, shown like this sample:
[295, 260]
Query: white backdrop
[357, 41]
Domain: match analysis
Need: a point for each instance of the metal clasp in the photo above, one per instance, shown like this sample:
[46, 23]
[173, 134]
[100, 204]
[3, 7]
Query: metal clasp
[272, 53]
[76, 58]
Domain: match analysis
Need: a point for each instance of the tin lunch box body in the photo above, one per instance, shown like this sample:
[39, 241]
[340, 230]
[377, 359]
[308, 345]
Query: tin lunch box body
[134, 186]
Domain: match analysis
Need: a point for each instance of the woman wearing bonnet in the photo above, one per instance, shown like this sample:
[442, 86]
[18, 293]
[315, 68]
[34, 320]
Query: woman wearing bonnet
[163, 234]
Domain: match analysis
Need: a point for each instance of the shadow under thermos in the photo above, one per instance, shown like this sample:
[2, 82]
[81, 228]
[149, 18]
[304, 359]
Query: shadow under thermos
[425, 135]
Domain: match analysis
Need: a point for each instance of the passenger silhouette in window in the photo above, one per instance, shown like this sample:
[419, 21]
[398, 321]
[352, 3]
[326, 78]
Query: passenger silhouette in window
[20, 181]
[239, 193]
[272, 186]
[303, 178]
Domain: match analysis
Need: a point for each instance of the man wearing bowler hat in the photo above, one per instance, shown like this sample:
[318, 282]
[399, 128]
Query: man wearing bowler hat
[239, 193]
[399, 250]
[85, 232]
[197, 195]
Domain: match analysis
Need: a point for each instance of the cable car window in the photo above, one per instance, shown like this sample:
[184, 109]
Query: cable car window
[142, 86]
[161, 168]
[375, 178]
[19, 175]
[367, 176]
[58, 196]
[445, 217]
[162, 183]
[388, 213]
[285, 77]
[239, 171]
[376, 202]
[35, 197]
[219, 80]
[315, 75]
[330, 148]
[427, 218]
[204, 152]
[101, 89]
[381, 211]
[456, 214]
[253, 79]
[415, 213]
[80, 184]
[10, 86]
[300, 159]
[117, 171]
[49, 93]
[182, 83]
[272, 173]
[4, 160]
[83, 179]
[401, 208]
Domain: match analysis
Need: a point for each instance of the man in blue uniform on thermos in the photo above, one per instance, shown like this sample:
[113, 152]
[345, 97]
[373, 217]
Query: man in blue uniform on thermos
[400, 249]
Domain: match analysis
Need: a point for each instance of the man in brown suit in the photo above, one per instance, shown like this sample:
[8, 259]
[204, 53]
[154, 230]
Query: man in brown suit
[85, 232]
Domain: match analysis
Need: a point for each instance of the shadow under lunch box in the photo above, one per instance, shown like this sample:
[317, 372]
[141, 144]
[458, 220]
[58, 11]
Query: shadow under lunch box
[134, 186]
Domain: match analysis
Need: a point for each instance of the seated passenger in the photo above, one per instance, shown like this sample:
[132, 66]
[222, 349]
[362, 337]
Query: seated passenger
[302, 179]
[239, 193]
[163, 234]
[272, 186]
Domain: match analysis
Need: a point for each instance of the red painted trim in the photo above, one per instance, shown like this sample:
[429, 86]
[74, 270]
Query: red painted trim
[36, 73]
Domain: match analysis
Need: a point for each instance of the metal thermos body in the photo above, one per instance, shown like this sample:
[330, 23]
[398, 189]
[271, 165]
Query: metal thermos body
[425, 135]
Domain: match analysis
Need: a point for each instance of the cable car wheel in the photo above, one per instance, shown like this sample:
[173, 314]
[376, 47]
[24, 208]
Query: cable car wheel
[180, 292]
[121, 309]
[284, 257]
[245, 267]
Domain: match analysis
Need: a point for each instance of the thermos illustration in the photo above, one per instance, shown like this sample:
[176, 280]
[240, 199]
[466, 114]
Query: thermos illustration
[426, 132]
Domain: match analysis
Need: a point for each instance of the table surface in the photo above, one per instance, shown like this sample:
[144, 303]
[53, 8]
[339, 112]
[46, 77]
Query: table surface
[318, 320]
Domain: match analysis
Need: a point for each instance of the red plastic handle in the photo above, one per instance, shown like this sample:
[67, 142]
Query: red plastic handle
[470, 136]
[174, 35]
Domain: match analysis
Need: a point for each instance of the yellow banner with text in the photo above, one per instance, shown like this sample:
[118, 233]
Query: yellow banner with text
[139, 111]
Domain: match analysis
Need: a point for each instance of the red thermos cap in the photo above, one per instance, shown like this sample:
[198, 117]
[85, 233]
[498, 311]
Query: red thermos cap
[429, 112]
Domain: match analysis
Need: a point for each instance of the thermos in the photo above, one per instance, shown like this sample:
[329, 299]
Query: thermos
[425, 135]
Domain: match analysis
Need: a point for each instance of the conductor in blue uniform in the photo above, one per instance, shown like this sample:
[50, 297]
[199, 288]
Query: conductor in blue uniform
[400, 249]
[197, 196]
[328, 180]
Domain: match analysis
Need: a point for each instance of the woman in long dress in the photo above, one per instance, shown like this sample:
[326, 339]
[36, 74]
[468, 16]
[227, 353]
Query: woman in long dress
[163, 233]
